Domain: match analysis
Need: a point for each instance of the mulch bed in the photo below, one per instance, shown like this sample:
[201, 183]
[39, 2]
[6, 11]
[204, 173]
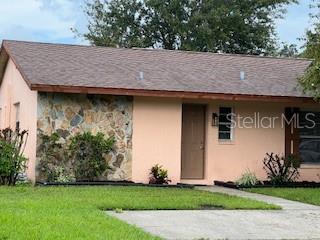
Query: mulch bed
[265, 184]
[114, 183]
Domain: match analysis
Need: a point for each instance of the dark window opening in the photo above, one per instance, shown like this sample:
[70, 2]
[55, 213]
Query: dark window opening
[309, 137]
[17, 117]
[225, 116]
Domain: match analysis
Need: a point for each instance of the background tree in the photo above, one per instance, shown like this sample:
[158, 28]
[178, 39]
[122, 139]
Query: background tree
[166, 22]
[229, 26]
[288, 50]
[310, 82]
[232, 26]
[116, 23]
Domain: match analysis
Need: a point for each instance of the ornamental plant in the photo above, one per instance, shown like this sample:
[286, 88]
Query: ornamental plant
[12, 161]
[280, 169]
[88, 151]
[247, 179]
[158, 175]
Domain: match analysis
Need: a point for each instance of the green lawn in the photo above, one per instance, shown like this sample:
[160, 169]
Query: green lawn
[306, 195]
[76, 212]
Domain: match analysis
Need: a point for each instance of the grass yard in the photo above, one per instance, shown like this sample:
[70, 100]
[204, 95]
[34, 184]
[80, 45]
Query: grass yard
[76, 212]
[306, 195]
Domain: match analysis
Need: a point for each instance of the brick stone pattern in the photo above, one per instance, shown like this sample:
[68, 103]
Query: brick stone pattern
[68, 114]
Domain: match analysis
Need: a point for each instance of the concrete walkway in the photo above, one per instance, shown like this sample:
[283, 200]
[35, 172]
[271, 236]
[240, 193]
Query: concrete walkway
[295, 221]
[285, 204]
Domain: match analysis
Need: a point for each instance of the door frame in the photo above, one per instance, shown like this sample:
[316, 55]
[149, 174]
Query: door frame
[205, 111]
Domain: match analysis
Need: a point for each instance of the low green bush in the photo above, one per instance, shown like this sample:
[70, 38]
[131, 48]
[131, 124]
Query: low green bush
[54, 163]
[247, 179]
[80, 158]
[12, 161]
[87, 151]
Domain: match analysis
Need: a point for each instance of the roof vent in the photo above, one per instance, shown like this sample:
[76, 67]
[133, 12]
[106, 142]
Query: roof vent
[141, 75]
[242, 75]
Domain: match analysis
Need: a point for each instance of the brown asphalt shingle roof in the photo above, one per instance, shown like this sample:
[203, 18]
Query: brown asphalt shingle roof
[86, 66]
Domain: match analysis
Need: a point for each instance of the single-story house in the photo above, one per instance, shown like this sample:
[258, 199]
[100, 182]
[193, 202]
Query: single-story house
[163, 107]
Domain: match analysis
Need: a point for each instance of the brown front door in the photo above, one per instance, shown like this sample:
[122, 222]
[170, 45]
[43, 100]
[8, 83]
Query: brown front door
[193, 141]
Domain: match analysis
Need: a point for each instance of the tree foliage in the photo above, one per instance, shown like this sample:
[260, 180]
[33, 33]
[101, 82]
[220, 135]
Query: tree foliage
[311, 80]
[288, 50]
[229, 26]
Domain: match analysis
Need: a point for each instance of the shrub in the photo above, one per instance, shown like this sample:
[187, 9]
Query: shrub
[62, 176]
[12, 161]
[281, 170]
[87, 151]
[247, 179]
[54, 161]
[81, 159]
[158, 175]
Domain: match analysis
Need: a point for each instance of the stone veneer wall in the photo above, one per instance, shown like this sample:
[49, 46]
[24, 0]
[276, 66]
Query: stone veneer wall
[68, 114]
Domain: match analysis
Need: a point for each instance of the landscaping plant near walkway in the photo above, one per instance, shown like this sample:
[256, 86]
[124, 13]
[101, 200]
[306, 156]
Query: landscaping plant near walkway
[248, 179]
[282, 169]
[158, 175]
[12, 161]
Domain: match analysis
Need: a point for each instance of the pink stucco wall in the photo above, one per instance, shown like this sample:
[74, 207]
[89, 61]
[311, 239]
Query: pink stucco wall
[227, 160]
[157, 139]
[15, 90]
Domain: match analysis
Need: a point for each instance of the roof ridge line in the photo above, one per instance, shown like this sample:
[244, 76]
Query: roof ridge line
[164, 50]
